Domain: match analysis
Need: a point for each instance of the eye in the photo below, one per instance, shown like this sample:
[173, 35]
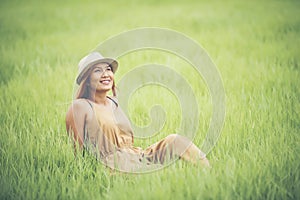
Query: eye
[109, 68]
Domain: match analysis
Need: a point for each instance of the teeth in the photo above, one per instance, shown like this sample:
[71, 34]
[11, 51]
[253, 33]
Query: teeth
[105, 82]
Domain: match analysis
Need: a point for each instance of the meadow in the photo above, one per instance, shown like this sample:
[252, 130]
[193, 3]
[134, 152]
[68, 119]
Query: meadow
[254, 44]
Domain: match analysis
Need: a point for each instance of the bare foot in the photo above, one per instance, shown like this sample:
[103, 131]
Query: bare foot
[205, 163]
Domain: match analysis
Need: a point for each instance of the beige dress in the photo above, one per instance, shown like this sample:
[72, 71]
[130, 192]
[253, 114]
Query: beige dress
[112, 142]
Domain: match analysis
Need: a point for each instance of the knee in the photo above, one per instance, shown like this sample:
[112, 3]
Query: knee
[172, 136]
[177, 137]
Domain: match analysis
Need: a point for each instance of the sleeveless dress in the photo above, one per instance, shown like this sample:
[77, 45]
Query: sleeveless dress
[112, 142]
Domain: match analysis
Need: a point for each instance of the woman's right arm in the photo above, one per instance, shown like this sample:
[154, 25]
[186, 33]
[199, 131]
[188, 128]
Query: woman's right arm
[75, 122]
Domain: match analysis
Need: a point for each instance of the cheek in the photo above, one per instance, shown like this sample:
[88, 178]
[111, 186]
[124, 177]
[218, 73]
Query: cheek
[94, 77]
[112, 76]
[93, 80]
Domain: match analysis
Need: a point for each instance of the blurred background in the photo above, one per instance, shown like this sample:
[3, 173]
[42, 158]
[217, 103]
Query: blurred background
[254, 44]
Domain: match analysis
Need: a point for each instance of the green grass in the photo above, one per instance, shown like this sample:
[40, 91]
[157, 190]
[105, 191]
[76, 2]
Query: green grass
[255, 46]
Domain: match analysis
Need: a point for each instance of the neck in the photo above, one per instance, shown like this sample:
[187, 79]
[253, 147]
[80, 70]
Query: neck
[100, 98]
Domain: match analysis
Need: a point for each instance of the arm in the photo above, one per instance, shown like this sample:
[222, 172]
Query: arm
[75, 122]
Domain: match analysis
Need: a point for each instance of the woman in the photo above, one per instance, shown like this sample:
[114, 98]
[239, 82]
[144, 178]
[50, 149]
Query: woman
[96, 122]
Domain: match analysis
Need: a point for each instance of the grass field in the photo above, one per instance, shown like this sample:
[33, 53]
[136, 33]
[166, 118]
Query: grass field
[255, 45]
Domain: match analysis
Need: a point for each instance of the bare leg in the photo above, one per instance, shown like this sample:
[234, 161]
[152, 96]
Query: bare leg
[194, 155]
[176, 145]
[188, 151]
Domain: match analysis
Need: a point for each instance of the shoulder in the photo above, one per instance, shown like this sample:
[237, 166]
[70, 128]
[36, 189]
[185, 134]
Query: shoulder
[114, 100]
[81, 103]
[80, 107]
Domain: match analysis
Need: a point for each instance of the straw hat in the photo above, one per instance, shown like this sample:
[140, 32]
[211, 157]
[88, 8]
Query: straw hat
[90, 60]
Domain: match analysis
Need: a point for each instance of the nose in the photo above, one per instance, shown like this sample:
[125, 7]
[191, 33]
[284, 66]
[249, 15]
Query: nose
[104, 73]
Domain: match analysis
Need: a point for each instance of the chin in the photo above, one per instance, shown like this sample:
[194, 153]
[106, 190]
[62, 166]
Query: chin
[104, 89]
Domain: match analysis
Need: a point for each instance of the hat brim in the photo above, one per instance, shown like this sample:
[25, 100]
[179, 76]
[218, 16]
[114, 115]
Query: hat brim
[113, 63]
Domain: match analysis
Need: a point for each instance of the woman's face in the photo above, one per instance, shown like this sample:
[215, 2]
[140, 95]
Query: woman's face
[101, 78]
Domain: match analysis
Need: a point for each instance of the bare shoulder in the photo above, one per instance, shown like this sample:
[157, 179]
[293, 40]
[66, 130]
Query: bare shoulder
[114, 100]
[80, 104]
[80, 107]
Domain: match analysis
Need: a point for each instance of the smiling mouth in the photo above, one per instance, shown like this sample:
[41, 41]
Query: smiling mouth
[105, 82]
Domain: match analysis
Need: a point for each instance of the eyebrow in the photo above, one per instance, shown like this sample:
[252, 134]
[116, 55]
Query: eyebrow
[97, 67]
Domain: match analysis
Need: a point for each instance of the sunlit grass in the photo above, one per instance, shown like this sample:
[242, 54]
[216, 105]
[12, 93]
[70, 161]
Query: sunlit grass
[254, 45]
